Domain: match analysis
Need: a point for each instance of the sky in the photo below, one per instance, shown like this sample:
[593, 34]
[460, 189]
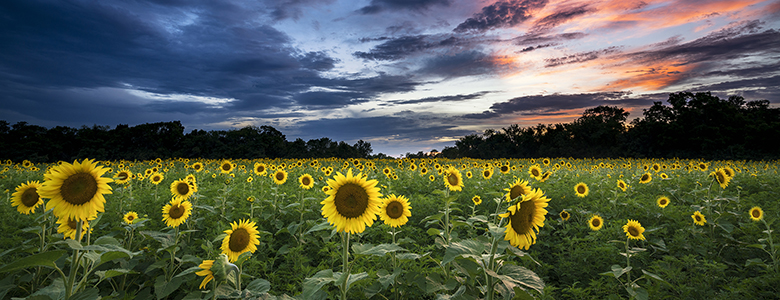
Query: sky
[404, 75]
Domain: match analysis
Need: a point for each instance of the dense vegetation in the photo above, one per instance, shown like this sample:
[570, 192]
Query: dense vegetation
[441, 253]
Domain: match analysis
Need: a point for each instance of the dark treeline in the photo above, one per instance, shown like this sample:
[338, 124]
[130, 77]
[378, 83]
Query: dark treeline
[691, 126]
[22, 141]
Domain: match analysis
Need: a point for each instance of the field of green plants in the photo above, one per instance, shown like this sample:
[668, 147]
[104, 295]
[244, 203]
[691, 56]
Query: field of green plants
[546, 228]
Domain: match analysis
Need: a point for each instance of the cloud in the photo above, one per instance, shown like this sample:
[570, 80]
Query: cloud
[539, 38]
[561, 16]
[555, 103]
[459, 97]
[579, 57]
[504, 13]
[321, 100]
[413, 128]
[466, 63]
[378, 6]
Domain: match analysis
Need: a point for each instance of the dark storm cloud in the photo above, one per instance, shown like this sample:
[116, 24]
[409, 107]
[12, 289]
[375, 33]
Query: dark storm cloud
[560, 16]
[579, 57]
[292, 9]
[378, 6]
[461, 64]
[546, 39]
[459, 97]
[322, 100]
[504, 13]
[553, 104]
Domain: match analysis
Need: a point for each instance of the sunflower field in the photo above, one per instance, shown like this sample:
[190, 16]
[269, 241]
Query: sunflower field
[546, 228]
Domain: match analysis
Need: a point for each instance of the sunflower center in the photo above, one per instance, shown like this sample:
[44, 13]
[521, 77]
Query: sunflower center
[176, 211]
[504, 168]
[183, 188]
[73, 224]
[122, 175]
[721, 177]
[279, 176]
[196, 167]
[395, 210]
[79, 188]
[453, 179]
[516, 191]
[596, 222]
[130, 218]
[239, 239]
[755, 213]
[522, 219]
[306, 181]
[663, 201]
[698, 218]
[565, 215]
[30, 197]
[260, 169]
[226, 167]
[633, 231]
[535, 172]
[644, 177]
[156, 178]
[351, 200]
[486, 173]
[581, 189]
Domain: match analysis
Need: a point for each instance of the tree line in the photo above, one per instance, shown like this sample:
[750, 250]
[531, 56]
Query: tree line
[694, 126]
[22, 141]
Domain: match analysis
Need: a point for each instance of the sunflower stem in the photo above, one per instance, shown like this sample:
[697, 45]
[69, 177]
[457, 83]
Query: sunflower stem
[173, 251]
[628, 262]
[447, 217]
[772, 253]
[490, 266]
[345, 263]
[74, 264]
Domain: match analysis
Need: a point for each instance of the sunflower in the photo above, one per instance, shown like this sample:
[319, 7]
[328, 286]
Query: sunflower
[325, 189]
[634, 230]
[476, 199]
[565, 215]
[241, 237]
[226, 166]
[662, 201]
[468, 174]
[197, 166]
[205, 267]
[432, 178]
[546, 162]
[69, 226]
[423, 170]
[517, 189]
[156, 178]
[504, 169]
[487, 173]
[280, 176]
[183, 189]
[535, 171]
[595, 222]
[176, 212]
[306, 181]
[581, 189]
[123, 176]
[703, 167]
[729, 171]
[622, 185]
[453, 179]
[26, 198]
[721, 177]
[130, 217]
[395, 210]
[646, 177]
[524, 217]
[664, 176]
[76, 190]
[352, 202]
[756, 214]
[249, 179]
[260, 169]
[698, 218]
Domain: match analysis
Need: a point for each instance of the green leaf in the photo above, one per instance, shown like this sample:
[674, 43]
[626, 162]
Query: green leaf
[73, 244]
[189, 271]
[513, 275]
[355, 277]
[408, 256]
[433, 231]
[162, 288]
[617, 271]
[45, 259]
[86, 294]
[654, 276]
[381, 249]
[358, 248]
[521, 294]
[464, 247]
[755, 262]
[258, 287]
[113, 273]
[641, 294]
[107, 240]
[726, 226]
[324, 225]
[759, 246]
[312, 285]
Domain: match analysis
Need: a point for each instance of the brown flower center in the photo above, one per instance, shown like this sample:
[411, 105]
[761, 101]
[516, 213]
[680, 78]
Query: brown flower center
[596, 222]
[122, 175]
[260, 169]
[351, 200]
[633, 231]
[226, 167]
[395, 209]
[239, 240]
[453, 179]
[176, 211]
[755, 213]
[30, 197]
[183, 188]
[79, 188]
[535, 172]
[279, 176]
[645, 177]
[516, 191]
[522, 219]
[306, 181]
